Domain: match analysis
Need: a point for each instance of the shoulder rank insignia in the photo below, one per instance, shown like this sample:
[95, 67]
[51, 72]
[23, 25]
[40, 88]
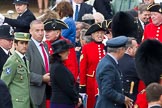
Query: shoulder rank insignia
[8, 70]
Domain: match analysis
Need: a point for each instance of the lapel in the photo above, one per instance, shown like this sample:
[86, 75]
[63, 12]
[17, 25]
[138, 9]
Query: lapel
[140, 25]
[36, 52]
[20, 60]
[3, 53]
[81, 11]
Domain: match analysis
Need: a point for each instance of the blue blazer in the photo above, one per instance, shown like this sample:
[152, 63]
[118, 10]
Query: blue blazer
[70, 33]
[109, 81]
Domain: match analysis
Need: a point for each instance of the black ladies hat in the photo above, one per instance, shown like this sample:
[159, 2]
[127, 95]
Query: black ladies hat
[20, 2]
[60, 46]
[55, 24]
[6, 32]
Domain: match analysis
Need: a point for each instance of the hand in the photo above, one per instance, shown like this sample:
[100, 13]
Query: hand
[128, 102]
[79, 103]
[46, 77]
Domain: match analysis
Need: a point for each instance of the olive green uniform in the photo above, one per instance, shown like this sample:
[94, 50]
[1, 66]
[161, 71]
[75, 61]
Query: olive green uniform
[16, 76]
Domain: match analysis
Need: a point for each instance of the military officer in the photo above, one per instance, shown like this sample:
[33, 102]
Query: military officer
[16, 72]
[109, 78]
[154, 29]
[22, 23]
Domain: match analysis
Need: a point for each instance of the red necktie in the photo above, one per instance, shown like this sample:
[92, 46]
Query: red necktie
[45, 58]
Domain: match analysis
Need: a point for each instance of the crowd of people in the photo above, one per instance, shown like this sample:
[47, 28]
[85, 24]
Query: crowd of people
[82, 54]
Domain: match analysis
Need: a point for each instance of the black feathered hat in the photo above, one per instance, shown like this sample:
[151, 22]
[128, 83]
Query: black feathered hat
[148, 61]
[124, 24]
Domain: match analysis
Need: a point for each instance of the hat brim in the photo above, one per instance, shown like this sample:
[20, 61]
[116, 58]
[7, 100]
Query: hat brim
[93, 29]
[57, 25]
[68, 46]
[8, 38]
[20, 2]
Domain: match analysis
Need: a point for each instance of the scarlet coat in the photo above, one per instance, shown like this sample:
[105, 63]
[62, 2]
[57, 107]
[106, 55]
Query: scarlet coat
[153, 32]
[71, 63]
[90, 57]
[141, 101]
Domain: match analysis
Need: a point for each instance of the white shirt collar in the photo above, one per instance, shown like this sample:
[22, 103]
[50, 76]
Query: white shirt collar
[21, 55]
[142, 23]
[6, 51]
[36, 42]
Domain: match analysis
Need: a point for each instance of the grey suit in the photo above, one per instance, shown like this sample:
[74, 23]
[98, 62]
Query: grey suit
[37, 70]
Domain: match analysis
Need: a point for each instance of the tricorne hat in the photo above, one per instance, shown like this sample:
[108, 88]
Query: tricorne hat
[6, 32]
[21, 36]
[55, 24]
[20, 2]
[117, 42]
[107, 25]
[155, 8]
[148, 61]
[94, 27]
[61, 45]
[124, 24]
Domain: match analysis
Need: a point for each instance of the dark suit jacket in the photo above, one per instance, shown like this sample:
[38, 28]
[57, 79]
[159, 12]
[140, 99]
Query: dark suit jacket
[3, 58]
[5, 97]
[140, 32]
[37, 70]
[106, 8]
[109, 81]
[84, 9]
[62, 83]
[128, 69]
[22, 23]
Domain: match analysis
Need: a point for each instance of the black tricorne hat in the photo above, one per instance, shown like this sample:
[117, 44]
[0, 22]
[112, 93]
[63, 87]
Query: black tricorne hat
[124, 24]
[6, 32]
[155, 8]
[89, 21]
[107, 24]
[61, 45]
[94, 27]
[55, 24]
[148, 61]
[20, 2]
